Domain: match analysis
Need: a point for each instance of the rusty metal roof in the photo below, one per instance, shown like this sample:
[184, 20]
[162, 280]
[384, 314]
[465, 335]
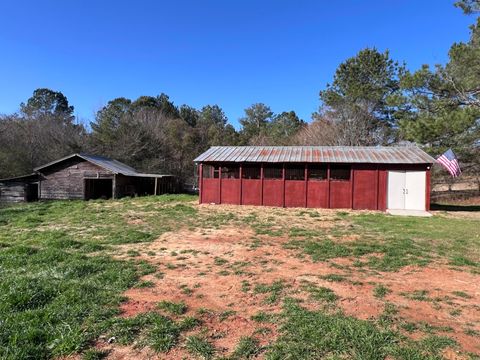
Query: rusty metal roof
[320, 154]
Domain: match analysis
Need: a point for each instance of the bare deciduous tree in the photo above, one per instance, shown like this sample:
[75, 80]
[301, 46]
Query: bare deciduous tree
[344, 125]
[29, 141]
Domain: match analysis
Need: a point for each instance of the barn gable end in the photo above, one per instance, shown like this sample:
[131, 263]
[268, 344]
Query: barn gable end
[66, 179]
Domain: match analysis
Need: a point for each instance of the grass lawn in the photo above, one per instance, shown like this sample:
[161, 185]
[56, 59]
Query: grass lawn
[162, 277]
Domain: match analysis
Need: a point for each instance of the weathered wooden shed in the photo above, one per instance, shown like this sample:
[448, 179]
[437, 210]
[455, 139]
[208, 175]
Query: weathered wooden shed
[19, 189]
[82, 176]
[377, 178]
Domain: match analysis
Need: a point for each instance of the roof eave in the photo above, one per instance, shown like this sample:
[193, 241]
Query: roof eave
[37, 169]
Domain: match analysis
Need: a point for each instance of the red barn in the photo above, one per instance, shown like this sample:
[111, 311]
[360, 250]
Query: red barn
[376, 178]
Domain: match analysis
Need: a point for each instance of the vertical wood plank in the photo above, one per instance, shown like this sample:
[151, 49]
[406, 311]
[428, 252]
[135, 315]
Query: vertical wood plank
[283, 179]
[306, 184]
[328, 180]
[240, 174]
[200, 184]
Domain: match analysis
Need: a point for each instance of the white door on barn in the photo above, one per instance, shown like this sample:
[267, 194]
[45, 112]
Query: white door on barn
[406, 190]
[415, 190]
[396, 190]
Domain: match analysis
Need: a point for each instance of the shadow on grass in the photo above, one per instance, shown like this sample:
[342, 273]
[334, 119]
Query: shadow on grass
[451, 207]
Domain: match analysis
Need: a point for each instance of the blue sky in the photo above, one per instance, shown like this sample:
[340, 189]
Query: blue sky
[230, 53]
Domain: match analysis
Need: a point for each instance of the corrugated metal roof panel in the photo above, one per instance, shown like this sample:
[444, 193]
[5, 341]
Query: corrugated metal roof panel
[109, 164]
[32, 176]
[114, 166]
[327, 154]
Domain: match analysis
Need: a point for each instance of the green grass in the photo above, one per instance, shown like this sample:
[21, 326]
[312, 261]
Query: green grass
[163, 335]
[145, 284]
[400, 241]
[59, 288]
[246, 286]
[200, 347]
[150, 329]
[273, 290]
[247, 348]
[462, 294]
[173, 308]
[54, 302]
[220, 261]
[263, 317]
[334, 278]
[93, 354]
[318, 335]
[380, 291]
[226, 314]
[455, 239]
[321, 293]
[418, 295]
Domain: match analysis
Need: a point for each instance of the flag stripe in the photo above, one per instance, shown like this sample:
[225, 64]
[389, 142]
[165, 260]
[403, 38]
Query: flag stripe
[450, 163]
[457, 166]
[447, 166]
[447, 162]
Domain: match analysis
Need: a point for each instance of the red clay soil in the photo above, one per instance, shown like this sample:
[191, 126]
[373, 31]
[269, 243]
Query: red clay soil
[216, 287]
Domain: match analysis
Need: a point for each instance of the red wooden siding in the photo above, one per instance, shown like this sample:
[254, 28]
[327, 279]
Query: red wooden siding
[340, 194]
[294, 193]
[317, 194]
[365, 188]
[210, 191]
[382, 190]
[273, 192]
[251, 192]
[230, 191]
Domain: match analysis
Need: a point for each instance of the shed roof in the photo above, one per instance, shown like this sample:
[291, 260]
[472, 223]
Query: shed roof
[27, 177]
[114, 166]
[314, 154]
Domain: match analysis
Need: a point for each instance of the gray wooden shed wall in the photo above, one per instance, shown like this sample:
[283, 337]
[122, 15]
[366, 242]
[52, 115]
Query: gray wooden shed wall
[13, 192]
[65, 180]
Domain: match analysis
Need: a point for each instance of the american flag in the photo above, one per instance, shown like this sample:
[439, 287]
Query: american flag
[449, 161]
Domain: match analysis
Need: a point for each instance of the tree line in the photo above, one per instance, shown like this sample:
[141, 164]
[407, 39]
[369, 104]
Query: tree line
[372, 100]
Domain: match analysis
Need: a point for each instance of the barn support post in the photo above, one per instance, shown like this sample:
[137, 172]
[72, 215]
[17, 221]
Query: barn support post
[427, 189]
[377, 187]
[200, 182]
[240, 175]
[114, 185]
[261, 180]
[352, 174]
[219, 183]
[306, 185]
[283, 180]
[156, 183]
[328, 186]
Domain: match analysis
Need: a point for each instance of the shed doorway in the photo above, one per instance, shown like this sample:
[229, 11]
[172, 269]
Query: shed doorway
[98, 189]
[31, 192]
[406, 190]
